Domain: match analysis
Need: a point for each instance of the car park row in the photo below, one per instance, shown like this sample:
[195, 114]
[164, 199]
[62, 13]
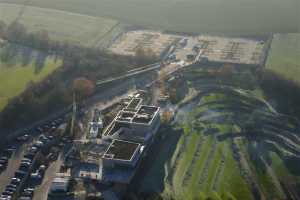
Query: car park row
[31, 170]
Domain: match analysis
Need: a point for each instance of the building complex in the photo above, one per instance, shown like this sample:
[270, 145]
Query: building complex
[116, 156]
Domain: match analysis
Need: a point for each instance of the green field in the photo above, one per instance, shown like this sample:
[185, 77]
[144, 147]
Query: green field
[213, 158]
[200, 166]
[234, 16]
[22, 67]
[284, 58]
[61, 25]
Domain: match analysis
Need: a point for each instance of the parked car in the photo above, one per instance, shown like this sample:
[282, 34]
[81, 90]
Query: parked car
[2, 167]
[28, 192]
[42, 169]
[10, 189]
[29, 155]
[24, 168]
[23, 138]
[26, 160]
[3, 162]
[11, 149]
[38, 144]
[36, 176]
[25, 198]
[11, 186]
[5, 197]
[7, 193]
[15, 182]
[20, 174]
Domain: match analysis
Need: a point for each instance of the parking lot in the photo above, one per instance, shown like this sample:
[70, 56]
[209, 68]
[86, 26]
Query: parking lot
[41, 192]
[12, 167]
[27, 167]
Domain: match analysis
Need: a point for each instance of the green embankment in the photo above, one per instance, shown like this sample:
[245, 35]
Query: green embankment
[200, 166]
[61, 25]
[214, 157]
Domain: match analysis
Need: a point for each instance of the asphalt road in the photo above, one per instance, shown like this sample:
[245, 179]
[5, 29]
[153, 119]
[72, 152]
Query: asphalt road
[41, 192]
[12, 167]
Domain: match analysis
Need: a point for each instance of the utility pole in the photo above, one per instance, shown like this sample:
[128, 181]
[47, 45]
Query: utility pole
[73, 115]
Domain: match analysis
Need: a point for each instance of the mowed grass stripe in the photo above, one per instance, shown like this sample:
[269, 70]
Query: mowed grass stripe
[213, 168]
[61, 25]
[232, 182]
[194, 186]
[183, 164]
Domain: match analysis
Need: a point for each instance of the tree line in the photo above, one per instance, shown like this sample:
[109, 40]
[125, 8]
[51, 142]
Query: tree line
[81, 68]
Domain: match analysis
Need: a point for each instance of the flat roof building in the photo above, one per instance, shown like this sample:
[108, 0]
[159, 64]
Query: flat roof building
[123, 153]
[61, 182]
[117, 155]
[135, 122]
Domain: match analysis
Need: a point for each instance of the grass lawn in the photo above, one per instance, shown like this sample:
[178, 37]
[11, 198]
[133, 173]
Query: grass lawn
[220, 180]
[14, 75]
[231, 181]
[61, 25]
[284, 58]
[215, 173]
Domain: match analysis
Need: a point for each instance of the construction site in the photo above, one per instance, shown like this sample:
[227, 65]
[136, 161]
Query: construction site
[185, 48]
[130, 42]
[221, 50]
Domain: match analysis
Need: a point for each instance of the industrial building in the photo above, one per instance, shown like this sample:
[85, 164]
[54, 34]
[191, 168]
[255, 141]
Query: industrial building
[123, 153]
[135, 122]
[131, 133]
[61, 182]
[115, 157]
[96, 125]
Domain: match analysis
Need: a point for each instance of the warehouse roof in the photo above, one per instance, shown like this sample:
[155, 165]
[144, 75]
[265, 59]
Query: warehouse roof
[121, 150]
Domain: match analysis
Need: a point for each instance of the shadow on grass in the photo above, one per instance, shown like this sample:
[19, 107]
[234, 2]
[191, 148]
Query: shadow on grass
[12, 54]
[293, 164]
[151, 174]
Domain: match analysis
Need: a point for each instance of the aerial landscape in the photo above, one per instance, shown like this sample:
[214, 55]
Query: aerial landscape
[149, 100]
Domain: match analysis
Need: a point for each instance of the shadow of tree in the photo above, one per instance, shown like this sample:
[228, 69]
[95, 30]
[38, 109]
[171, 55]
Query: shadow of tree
[13, 54]
[40, 62]
[151, 177]
[26, 54]
[293, 163]
[8, 54]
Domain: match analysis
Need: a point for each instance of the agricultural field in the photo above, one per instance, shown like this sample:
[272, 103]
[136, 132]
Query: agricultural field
[284, 57]
[20, 66]
[61, 25]
[199, 16]
[227, 144]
